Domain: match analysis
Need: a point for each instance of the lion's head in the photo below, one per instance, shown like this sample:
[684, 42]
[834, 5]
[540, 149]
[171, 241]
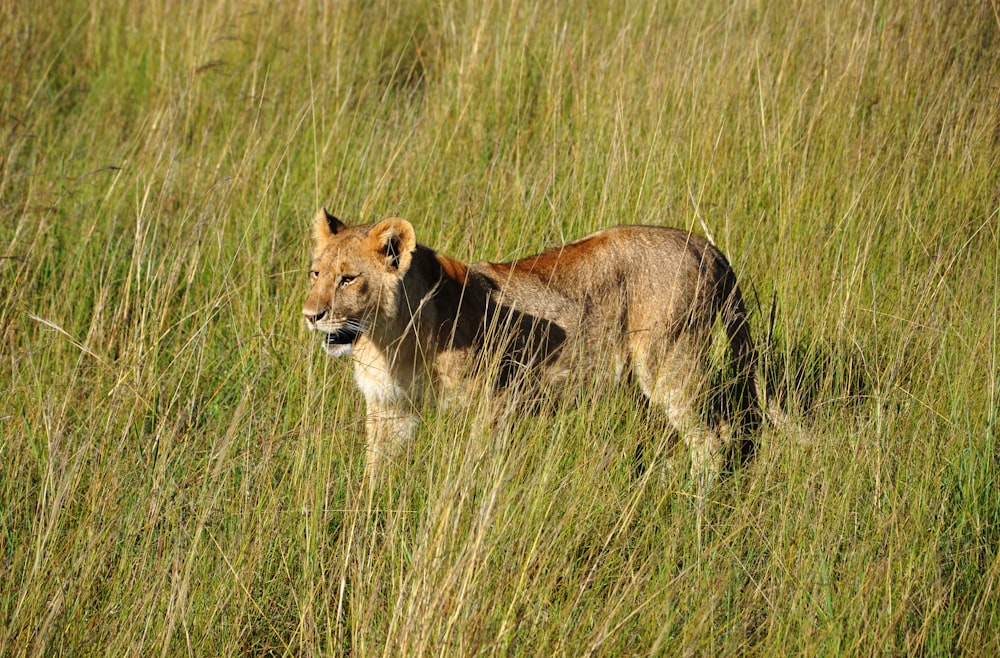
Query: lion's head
[356, 277]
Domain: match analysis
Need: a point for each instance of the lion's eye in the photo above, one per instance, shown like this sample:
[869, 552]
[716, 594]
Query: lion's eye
[313, 275]
[346, 280]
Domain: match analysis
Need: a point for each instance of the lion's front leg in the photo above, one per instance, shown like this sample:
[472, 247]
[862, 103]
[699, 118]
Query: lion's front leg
[389, 429]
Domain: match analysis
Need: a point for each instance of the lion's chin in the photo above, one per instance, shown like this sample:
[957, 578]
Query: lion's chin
[337, 349]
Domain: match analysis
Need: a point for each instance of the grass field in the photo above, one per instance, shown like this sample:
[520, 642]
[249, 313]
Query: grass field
[181, 467]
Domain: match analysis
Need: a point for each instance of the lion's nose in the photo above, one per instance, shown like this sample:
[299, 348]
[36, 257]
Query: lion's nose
[313, 316]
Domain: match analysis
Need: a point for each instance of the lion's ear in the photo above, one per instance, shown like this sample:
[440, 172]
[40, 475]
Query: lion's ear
[396, 240]
[325, 226]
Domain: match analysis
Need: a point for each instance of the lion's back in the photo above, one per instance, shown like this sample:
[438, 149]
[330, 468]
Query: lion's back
[635, 266]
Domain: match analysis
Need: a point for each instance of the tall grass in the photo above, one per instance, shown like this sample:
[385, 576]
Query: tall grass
[181, 468]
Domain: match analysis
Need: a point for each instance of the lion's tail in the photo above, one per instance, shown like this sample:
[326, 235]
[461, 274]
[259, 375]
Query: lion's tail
[746, 408]
[751, 403]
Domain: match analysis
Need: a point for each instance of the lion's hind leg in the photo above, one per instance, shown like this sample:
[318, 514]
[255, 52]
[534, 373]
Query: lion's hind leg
[675, 377]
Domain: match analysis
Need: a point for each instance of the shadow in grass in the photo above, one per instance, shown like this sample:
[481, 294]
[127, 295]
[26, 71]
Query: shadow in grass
[808, 376]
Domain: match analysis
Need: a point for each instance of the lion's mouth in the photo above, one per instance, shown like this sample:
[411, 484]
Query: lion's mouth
[342, 336]
[340, 341]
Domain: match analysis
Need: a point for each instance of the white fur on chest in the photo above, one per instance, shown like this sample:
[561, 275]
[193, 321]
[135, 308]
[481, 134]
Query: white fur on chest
[376, 380]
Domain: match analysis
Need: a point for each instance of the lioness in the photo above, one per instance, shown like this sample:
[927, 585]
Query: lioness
[637, 299]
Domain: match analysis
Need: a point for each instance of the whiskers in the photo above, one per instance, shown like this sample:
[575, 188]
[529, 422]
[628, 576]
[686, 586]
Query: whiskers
[355, 325]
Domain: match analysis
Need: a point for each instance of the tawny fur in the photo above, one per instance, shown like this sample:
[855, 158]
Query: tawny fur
[419, 324]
